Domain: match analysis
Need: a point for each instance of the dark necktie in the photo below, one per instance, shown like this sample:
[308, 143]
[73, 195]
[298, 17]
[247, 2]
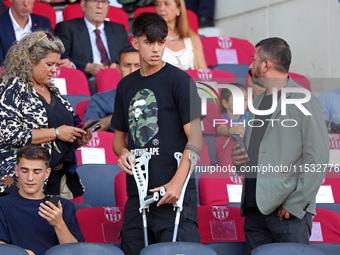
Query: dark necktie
[103, 54]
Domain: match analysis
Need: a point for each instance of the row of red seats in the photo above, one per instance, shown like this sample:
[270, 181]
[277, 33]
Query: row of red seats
[216, 185]
[216, 223]
[115, 14]
[108, 79]
[102, 141]
[214, 188]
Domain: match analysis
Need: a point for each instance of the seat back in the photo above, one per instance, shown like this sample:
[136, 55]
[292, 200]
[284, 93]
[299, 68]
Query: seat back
[223, 147]
[227, 50]
[168, 248]
[75, 99]
[223, 248]
[210, 75]
[301, 80]
[204, 155]
[192, 17]
[10, 249]
[329, 191]
[327, 248]
[120, 189]
[325, 227]
[219, 186]
[117, 15]
[98, 150]
[286, 248]
[329, 206]
[298, 78]
[98, 181]
[213, 113]
[239, 70]
[82, 205]
[101, 224]
[210, 140]
[84, 249]
[43, 9]
[72, 11]
[220, 223]
[81, 108]
[74, 79]
[107, 79]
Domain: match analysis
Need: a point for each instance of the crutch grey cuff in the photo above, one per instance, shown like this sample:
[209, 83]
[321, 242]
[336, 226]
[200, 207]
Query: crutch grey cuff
[192, 148]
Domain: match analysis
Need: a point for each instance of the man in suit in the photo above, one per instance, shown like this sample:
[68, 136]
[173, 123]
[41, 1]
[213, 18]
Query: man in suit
[17, 21]
[288, 153]
[101, 105]
[80, 39]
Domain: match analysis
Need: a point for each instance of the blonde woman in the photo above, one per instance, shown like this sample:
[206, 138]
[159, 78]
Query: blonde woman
[32, 111]
[183, 46]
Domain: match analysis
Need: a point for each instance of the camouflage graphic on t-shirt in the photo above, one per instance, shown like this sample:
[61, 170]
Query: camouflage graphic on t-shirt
[143, 117]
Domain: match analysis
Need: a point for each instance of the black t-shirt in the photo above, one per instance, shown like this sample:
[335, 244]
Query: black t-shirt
[253, 151]
[153, 111]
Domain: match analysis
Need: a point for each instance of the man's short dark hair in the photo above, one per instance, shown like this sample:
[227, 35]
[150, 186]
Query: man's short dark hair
[34, 151]
[277, 51]
[128, 49]
[151, 25]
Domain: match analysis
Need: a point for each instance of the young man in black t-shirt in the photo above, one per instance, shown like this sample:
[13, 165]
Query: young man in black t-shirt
[157, 109]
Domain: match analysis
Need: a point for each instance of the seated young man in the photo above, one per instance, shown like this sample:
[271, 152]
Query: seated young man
[26, 220]
[157, 109]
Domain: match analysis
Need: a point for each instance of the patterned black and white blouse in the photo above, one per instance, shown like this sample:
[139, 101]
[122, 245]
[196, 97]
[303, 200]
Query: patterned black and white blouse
[21, 111]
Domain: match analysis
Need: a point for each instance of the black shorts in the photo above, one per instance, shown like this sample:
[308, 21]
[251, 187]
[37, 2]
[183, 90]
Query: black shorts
[160, 222]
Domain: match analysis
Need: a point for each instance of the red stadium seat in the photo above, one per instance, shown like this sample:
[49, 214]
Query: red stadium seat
[326, 226]
[8, 3]
[101, 224]
[213, 112]
[107, 79]
[193, 21]
[204, 155]
[117, 15]
[81, 108]
[42, 9]
[219, 186]
[76, 82]
[301, 80]
[227, 50]
[210, 75]
[223, 147]
[298, 78]
[120, 189]
[220, 223]
[46, 10]
[143, 9]
[101, 140]
[72, 11]
[192, 17]
[330, 188]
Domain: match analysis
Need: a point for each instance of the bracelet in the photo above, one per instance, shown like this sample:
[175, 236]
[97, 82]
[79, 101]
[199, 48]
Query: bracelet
[228, 131]
[56, 133]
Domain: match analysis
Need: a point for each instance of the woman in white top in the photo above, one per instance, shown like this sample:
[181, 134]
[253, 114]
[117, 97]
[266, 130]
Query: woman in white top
[183, 46]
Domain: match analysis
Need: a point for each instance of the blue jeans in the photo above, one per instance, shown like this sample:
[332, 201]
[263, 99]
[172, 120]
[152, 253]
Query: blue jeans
[263, 229]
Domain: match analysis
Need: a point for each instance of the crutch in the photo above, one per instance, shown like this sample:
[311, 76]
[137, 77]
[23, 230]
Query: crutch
[142, 178]
[178, 206]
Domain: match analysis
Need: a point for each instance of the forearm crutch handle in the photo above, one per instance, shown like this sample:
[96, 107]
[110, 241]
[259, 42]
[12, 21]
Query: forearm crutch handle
[142, 178]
